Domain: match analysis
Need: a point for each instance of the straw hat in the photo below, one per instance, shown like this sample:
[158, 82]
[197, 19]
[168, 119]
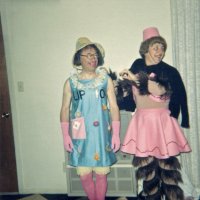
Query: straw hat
[150, 32]
[83, 42]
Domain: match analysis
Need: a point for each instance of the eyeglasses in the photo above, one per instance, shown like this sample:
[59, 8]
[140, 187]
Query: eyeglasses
[90, 56]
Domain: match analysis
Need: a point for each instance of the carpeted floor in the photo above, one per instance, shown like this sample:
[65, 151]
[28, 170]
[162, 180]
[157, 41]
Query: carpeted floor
[53, 197]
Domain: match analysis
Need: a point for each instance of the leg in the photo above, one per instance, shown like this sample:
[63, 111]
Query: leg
[101, 186]
[87, 182]
[101, 182]
[171, 176]
[148, 172]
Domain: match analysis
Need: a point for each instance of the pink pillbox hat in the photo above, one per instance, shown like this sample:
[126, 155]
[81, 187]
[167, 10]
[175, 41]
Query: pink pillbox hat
[150, 32]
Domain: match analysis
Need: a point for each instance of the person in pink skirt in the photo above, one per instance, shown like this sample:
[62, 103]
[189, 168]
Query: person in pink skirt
[154, 135]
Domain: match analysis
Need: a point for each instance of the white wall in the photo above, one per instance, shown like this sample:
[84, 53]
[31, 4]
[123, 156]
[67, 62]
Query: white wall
[40, 38]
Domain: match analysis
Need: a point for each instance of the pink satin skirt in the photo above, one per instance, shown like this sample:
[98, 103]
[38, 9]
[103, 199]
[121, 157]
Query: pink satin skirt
[153, 132]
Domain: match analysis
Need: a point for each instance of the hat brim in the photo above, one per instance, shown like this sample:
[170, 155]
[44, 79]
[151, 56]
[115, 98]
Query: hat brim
[98, 46]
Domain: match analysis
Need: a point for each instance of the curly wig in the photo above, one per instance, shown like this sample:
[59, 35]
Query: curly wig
[144, 47]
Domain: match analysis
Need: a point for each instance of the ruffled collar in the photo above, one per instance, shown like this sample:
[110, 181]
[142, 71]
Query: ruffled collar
[91, 84]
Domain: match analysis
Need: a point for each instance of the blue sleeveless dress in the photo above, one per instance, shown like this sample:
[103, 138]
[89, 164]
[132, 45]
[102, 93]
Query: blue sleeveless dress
[90, 122]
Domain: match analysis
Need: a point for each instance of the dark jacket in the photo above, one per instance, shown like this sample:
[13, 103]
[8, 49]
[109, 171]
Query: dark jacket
[178, 101]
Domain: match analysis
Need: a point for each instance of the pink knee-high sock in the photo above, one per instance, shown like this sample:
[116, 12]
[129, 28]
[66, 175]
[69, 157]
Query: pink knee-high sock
[101, 186]
[88, 185]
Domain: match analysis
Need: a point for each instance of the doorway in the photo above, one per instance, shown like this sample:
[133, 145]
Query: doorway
[8, 171]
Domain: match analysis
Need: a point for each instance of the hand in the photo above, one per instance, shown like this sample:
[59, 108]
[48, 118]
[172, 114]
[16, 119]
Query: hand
[115, 143]
[66, 138]
[115, 136]
[124, 74]
[127, 74]
[68, 143]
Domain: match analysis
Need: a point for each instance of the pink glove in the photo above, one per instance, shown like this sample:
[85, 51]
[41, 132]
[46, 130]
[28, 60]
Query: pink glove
[115, 135]
[66, 138]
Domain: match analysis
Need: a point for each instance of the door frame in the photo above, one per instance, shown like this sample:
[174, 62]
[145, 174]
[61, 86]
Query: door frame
[8, 167]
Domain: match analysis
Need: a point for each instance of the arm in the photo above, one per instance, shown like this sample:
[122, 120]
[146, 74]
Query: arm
[115, 116]
[179, 99]
[114, 110]
[64, 116]
[66, 100]
[127, 74]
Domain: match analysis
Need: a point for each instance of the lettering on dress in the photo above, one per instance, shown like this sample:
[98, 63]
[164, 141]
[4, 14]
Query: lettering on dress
[102, 93]
[78, 94]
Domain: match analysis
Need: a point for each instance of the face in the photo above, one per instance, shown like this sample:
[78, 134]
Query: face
[155, 54]
[89, 59]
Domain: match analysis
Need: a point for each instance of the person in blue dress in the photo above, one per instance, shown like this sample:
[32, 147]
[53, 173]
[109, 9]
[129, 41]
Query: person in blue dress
[90, 119]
